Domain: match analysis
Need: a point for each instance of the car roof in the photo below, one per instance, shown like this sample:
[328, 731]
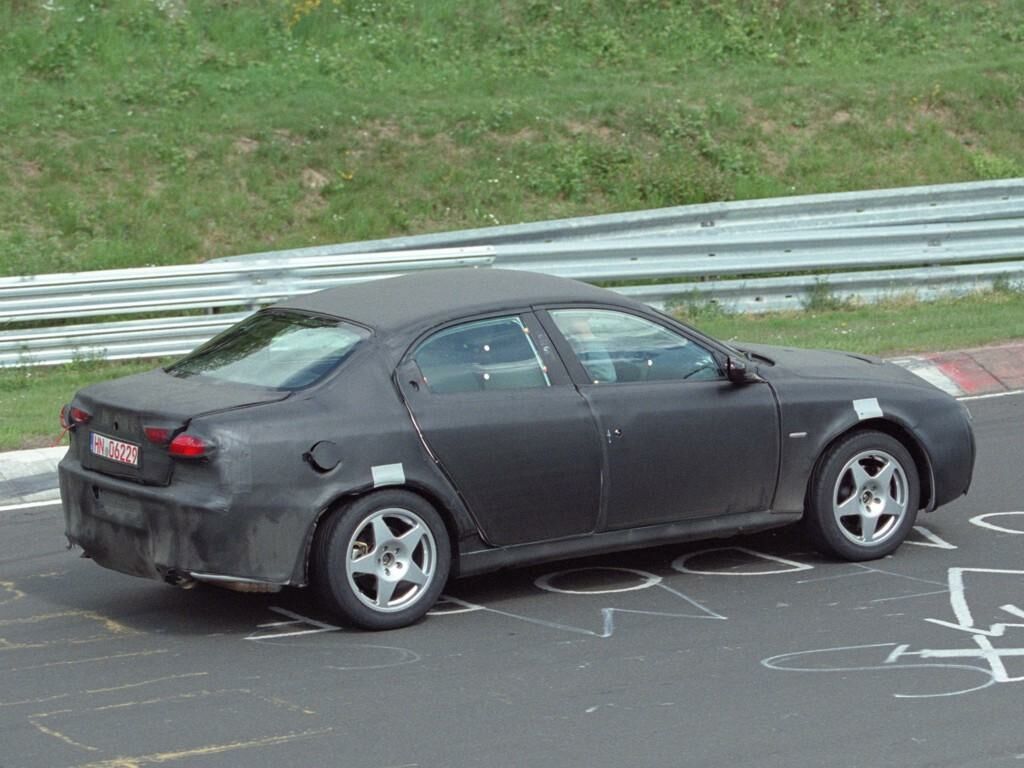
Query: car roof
[416, 299]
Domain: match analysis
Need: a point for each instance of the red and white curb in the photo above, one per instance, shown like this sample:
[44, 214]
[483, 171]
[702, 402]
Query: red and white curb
[931, 373]
[988, 370]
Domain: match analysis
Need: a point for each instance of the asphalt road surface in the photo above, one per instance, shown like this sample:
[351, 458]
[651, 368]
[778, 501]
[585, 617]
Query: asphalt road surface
[752, 651]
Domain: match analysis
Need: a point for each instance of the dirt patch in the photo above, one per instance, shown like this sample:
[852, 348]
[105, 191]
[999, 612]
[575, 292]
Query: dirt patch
[842, 117]
[30, 169]
[311, 206]
[313, 180]
[776, 162]
[946, 118]
[285, 136]
[245, 145]
[602, 132]
[214, 244]
[384, 130]
[522, 136]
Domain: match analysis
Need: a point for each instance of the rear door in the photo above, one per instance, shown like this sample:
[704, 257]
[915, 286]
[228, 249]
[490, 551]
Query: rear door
[497, 409]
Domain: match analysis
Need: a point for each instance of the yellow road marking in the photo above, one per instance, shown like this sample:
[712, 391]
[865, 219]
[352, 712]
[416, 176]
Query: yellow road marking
[91, 660]
[112, 627]
[12, 592]
[92, 691]
[43, 700]
[61, 737]
[147, 682]
[213, 749]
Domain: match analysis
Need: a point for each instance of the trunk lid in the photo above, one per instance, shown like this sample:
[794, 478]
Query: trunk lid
[121, 409]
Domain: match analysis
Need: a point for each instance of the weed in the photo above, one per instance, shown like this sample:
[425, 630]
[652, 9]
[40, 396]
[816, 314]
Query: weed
[1007, 286]
[820, 298]
[989, 166]
[695, 308]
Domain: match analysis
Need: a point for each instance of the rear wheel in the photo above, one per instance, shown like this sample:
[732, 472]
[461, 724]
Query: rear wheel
[863, 497]
[382, 561]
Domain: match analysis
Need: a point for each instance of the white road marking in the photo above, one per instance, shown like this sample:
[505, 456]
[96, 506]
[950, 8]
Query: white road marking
[295, 619]
[993, 394]
[29, 505]
[679, 564]
[982, 522]
[607, 614]
[783, 663]
[934, 540]
[647, 580]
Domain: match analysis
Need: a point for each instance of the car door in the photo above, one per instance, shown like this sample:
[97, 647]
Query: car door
[680, 440]
[498, 411]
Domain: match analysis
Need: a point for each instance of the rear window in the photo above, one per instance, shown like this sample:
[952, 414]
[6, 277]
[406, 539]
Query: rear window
[279, 350]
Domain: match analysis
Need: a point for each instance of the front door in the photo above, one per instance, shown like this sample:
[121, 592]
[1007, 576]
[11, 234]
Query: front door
[680, 440]
[519, 442]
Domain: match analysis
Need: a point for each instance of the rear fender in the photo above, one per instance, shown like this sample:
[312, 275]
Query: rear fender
[449, 506]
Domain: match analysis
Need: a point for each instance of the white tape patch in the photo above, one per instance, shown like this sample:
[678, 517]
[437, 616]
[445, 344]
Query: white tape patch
[388, 474]
[868, 408]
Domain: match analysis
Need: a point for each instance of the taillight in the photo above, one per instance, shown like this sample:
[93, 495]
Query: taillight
[158, 435]
[189, 447]
[72, 416]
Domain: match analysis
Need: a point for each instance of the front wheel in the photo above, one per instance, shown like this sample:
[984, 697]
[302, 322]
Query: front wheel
[863, 497]
[382, 561]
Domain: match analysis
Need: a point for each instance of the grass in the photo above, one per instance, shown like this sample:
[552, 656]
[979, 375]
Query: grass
[139, 132]
[159, 131]
[31, 398]
[888, 328]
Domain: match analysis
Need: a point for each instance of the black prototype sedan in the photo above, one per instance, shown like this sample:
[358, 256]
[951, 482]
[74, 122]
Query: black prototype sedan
[372, 440]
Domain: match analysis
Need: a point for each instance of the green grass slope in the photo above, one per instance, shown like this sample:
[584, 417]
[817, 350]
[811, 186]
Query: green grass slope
[163, 131]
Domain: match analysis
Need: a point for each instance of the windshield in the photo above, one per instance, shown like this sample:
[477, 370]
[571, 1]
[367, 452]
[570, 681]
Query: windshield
[275, 349]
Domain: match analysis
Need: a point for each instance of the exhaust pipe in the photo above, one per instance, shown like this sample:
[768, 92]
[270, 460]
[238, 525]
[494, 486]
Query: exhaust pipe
[179, 579]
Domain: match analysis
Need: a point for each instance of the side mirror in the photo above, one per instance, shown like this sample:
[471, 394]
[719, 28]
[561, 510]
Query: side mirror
[737, 372]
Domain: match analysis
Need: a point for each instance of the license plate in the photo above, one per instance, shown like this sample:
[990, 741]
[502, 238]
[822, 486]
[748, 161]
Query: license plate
[114, 450]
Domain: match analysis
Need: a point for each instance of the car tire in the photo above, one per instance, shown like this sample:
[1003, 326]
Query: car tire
[863, 496]
[381, 561]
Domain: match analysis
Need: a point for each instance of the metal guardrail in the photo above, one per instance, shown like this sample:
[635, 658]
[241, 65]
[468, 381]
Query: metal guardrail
[942, 203]
[746, 256]
[207, 286]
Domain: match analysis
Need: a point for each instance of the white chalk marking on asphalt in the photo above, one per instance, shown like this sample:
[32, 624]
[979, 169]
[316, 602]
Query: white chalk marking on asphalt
[908, 597]
[29, 505]
[982, 522]
[993, 394]
[646, 580]
[441, 607]
[898, 651]
[790, 566]
[836, 576]
[297, 618]
[934, 540]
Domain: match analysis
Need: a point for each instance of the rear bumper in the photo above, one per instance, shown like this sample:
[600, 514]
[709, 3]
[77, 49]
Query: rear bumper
[169, 534]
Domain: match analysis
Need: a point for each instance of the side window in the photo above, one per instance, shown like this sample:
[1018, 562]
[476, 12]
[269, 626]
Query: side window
[618, 347]
[483, 355]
